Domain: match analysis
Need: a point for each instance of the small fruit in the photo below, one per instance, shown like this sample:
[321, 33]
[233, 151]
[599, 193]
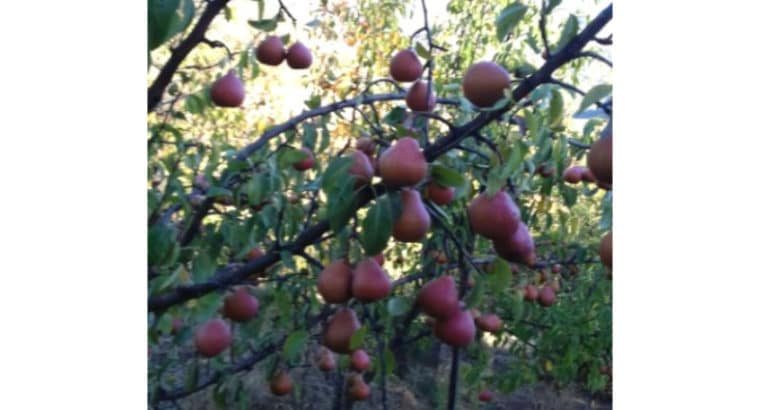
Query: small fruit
[403, 164]
[457, 330]
[530, 293]
[201, 182]
[546, 296]
[254, 254]
[271, 51]
[517, 248]
[305, 163]
[439, 297]
[366, 145]
[360, 360]
[359, 390]
[298, 56]
[414, 221]
[556, 268]
[281, 383]
[341, 326]
[334, 282]
[573, 175]
[599, 160]
[361, 168]
[605, 250]
[326, 360]
[212, 337]
[485, 396]
[587, 176]
[370, 282]
[439, 194]
[484, 83]
[420, 97]
[546, 170]
[488, 323]
[494, 216]
[240, 306]
[406, 66]
[228, 91]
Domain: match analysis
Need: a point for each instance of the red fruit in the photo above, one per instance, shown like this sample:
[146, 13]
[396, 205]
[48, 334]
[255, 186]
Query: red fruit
[418, 99]
[380, 259]
[546, 171]
[326, 361]
[573, 175]
[599, 160]
[485, 396]
[228, 91]
[334, 282]
[360, 360]
[341, 326]
[530, 294]
[414, 221]
[298, 56]
[494, 217]
[281, 383]
[488, 323]
[240, 306]
[605, 250]
[406, 66]
[305, 163]
[439, 297]
[254, 254]
[403, 164]
[546, 296]
[587, 176]
[556, 268]
[439, 194]
[484, 83]
[371, 282]
[366, 145]
[212, 337]
[359, 390]
[517, 248]
[271, 51]
[457, 330]
[361, 168]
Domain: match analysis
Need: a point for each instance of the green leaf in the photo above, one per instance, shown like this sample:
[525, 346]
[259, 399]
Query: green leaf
[390, 361]
[160, 243]
[551, 5]
[501, 276]
[229, 13]
[447, 177]
[267, 25]
[398, 305]
[556, 108]
[377, 226]
[216, 191]
[395, 116]
[294, 345]
[195, 104]
[569, 30]
[340, 204]
[336, 172]
[167, 18]
[421, 50]
[593, 95]
[508, 19]
[191, 376]
[288, 157]
[357, 339]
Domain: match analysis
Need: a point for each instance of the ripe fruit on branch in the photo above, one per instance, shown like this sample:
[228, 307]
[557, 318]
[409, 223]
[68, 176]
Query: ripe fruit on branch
[545, 170]
[439, 297]
[605, 250]
[341, 326]
[380, 259]
[298, 56]
[212, 337]
[485, 396]
[484, 83]
[494, 217]
[334, 282]
[488, 323]
[418, 99]
[240, 306]
[530, 293]
[406, 66]
[370, 282]
[587, 176]
[326, 360]
[546, 296]
[517, 248]
[414, 221]
[361, 168]
[556, 268]
[599, 160]
[360, 360]
[228, 91]
[366, 145]
[271, 51]
[439, 194]
[403, 164]
[305, 163]
[359, 390]
[281, 383]
[457, 330]
[573, 175]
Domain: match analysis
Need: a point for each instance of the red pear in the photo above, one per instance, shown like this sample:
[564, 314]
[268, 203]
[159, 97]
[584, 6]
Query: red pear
[360, 360]
[414, 221]
[517, 248]
[439, 194]
[298, 56]
[361, 168]
[240, 306]
[305, 163]
[485, 396]
[605, 250]
[212, 337]
[530, 294]
[494, 217]
[380, 259]
[371, 282]
[334, 282]
[406, 66]
[341, 326]
[366, 145]
[228, 91]
[359, 390]
[546, 296]
[587, 176]
[403, 164]
[599, 160]
[488, 323]
[439, 297]
[418, 98]
[556, 268]
[281, 383]
[573, 175]
[484, 83]
[271, 51]
[457, 330]
[326, 360]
